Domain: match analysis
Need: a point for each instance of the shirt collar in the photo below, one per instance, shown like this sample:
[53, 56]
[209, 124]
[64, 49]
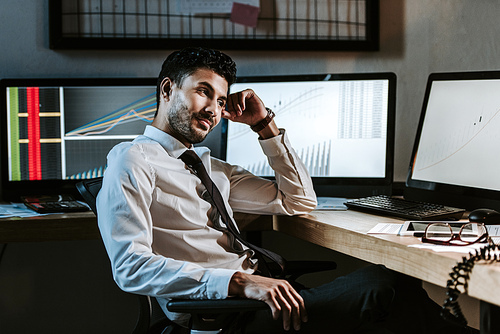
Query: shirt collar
[173, 146]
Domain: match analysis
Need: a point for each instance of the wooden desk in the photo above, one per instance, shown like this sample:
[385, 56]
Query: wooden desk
[83, 226]
[342, 231]
[68, 226]
[346, 232]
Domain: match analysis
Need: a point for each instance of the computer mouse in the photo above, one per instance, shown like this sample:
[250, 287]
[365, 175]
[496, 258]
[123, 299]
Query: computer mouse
[486, 216]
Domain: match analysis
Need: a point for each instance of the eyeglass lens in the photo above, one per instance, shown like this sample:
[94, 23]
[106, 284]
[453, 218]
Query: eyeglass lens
[455, 233]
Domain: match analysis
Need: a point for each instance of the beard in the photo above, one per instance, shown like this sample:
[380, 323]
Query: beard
[181, 120]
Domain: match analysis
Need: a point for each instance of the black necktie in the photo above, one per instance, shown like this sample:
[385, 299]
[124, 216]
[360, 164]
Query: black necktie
[193, 161]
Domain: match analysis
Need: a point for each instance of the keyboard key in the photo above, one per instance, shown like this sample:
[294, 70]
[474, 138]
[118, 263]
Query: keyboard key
[393, 206]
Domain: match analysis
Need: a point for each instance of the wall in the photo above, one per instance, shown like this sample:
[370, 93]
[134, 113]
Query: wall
[417, 38]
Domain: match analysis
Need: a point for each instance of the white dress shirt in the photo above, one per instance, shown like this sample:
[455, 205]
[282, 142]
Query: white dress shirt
[160, 231]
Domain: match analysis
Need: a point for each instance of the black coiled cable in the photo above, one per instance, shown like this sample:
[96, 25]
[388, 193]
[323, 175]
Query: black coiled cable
[459, 280]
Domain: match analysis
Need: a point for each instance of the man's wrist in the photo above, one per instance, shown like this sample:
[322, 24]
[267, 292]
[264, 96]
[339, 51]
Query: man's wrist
[264, 123]
[235, 285]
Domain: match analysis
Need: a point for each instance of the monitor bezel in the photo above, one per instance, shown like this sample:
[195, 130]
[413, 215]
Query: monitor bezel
[13, 190]
[469, 198]
[341, 186]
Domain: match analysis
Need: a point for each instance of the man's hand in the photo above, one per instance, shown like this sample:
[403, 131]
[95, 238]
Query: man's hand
[246, 107]
[278, 294]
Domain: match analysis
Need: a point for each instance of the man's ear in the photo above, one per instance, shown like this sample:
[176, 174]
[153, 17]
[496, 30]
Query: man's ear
[166, 88]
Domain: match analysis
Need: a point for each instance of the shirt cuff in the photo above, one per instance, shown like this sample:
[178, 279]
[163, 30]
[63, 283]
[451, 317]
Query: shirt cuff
[275, 146]
[218, 283]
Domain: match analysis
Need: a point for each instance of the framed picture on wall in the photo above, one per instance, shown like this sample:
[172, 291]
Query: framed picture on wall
[334, 25]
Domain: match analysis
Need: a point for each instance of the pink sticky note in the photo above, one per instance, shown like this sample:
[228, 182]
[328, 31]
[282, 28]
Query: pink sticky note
[245, 14]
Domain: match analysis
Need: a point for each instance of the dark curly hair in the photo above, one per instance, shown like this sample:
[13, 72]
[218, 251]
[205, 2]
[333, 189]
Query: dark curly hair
[183, 63]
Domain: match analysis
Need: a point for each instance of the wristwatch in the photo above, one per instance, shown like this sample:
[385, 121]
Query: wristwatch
[265, 122]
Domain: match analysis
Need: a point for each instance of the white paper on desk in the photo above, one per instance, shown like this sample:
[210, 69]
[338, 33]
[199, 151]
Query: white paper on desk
[449, 249]
[386, 228]
[17, 210]
[493, 230]
[4, 213]
[453, 249]
[331, 203]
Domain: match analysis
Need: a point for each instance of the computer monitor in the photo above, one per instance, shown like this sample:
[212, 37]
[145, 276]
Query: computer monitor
[455, 159]
[58, 131]
[341, 125]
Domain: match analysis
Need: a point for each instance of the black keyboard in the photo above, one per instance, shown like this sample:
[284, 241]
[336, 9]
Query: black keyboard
[411, 210]
[54, 204]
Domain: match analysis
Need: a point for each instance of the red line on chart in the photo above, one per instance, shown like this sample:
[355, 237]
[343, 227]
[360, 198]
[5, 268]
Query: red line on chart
[461, 147]
[34, 153]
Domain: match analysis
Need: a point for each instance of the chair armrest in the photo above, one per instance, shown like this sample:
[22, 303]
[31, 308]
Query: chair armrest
[229, 305]
[214, 314]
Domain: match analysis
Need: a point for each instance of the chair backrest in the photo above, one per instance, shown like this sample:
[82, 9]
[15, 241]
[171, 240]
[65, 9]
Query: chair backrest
[89, 189]
[151, 318]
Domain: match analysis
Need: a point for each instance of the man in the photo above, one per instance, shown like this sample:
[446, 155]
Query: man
[165, 238]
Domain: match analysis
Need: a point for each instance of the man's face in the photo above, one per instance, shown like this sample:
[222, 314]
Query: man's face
[196, 108]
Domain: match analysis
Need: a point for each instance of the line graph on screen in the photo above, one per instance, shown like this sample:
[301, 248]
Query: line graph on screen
[474, 133]
[88, 145]
[142, 109]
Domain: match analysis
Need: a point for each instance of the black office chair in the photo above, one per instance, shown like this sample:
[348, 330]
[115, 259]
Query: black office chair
[206, 315]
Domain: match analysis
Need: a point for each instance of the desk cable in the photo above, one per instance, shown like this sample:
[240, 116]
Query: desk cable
[459, 280]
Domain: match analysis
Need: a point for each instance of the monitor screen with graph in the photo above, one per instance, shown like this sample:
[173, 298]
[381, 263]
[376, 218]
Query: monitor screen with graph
[58, 131]
[456, 156]
[341, 125]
